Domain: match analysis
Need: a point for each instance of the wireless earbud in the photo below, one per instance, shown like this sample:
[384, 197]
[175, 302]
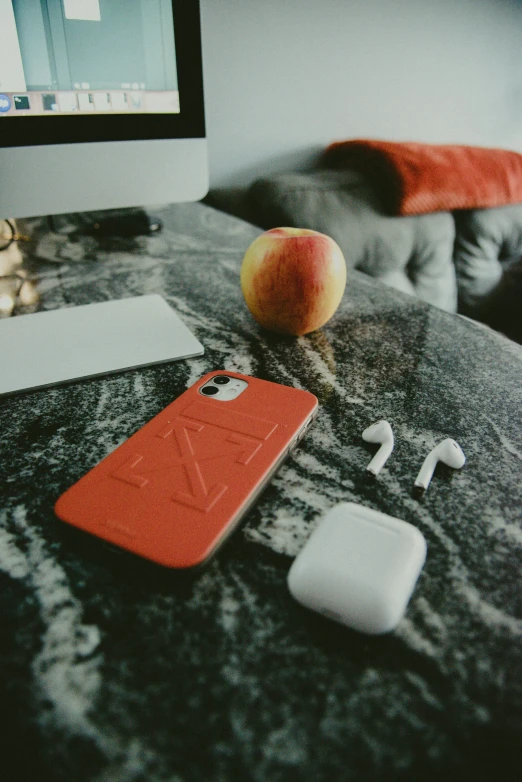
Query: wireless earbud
[449, 452]
[380, 432]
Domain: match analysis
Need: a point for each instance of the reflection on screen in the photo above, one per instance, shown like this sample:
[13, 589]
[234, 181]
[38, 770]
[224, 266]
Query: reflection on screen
[87, 56]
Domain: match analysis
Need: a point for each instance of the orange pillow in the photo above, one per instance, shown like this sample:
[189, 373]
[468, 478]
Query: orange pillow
[418, 178]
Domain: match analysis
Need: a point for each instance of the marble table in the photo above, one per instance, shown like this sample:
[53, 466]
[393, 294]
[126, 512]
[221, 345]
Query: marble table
[112, 672]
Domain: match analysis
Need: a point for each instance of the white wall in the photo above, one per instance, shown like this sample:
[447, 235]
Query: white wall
[283, 78]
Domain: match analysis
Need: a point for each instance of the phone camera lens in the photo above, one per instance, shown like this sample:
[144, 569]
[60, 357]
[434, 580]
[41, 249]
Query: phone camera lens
[209, 390]
[221, 380]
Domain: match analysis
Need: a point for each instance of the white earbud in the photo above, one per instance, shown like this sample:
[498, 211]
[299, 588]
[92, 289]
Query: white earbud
[380, 432]
[447, 451]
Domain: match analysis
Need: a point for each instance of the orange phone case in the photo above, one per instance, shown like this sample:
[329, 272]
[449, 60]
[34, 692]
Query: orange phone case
[174, 490]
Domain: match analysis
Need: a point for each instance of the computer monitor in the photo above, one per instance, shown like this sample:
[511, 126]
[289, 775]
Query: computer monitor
[101, 105]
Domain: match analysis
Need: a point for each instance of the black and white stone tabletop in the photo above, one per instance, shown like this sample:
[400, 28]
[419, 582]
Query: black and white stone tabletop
[111, 671]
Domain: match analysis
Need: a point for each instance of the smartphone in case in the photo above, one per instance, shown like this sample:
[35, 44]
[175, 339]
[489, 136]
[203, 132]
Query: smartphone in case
[176, 488]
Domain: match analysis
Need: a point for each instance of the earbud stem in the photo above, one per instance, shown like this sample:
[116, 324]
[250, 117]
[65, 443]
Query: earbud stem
[380, 459]
[425, 475]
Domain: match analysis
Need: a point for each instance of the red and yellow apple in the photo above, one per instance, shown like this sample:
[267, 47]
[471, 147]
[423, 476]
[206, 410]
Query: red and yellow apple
[293, 279]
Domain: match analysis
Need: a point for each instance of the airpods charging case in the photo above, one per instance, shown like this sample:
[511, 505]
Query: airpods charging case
[359, 567]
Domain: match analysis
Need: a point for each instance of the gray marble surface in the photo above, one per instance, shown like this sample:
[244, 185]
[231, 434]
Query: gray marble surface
[112, 672]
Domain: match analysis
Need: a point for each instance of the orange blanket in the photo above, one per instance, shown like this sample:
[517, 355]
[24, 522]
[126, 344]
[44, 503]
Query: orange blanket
[418, 178]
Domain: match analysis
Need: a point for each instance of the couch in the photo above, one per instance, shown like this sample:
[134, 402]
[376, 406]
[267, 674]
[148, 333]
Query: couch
[466, 261]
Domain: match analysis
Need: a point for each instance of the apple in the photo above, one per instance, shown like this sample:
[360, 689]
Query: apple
[293, 279]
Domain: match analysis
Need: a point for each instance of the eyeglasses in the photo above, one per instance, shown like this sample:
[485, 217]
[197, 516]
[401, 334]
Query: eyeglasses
[9, 234]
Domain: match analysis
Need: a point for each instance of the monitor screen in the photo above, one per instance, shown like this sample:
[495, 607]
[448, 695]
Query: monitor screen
[67, 58]
[80, 81]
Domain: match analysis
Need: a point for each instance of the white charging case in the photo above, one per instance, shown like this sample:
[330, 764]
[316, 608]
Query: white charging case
[359, 567]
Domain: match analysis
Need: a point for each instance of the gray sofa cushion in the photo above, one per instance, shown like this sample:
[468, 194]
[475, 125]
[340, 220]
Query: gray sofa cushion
[488, 241]
[488, 262]
[413, 254]
[502, 307]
